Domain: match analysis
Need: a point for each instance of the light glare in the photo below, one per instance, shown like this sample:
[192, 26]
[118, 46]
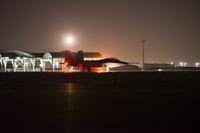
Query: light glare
[197, 64]
[181, 63]
[69, 39]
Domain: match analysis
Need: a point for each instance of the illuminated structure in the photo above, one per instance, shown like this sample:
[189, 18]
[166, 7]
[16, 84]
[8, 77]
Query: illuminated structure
[92, 56]
[15, 60]
[65, 61]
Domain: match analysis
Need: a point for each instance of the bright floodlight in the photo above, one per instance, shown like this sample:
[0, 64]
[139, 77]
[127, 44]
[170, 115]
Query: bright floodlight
[69, 39]
[181, 63]
[197, 64]
[171, 63]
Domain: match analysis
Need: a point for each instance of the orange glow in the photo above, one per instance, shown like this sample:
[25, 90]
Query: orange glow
[66, 63]
[97, 69]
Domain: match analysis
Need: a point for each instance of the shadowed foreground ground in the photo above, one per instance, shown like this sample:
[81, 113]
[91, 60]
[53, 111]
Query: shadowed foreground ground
[90, 102]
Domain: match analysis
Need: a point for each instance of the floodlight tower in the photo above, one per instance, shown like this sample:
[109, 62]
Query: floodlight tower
[143, 55]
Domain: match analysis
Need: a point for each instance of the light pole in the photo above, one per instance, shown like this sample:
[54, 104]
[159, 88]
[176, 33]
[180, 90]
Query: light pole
[143, 61]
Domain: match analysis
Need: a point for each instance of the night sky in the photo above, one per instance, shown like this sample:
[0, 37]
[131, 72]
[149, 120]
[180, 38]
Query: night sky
[112, 27]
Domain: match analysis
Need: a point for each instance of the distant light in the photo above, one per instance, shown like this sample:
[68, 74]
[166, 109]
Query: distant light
[185, 64]
[181, 64]
[197, 64]
[66, 63]
[62, 61]
[69, 39]
[172, 63]
[160, 70]
[41, 64]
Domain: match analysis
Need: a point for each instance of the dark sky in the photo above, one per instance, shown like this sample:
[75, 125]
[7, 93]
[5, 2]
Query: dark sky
[112, 27]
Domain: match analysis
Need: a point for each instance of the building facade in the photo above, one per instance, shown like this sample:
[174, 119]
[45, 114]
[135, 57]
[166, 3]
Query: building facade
[65, 61]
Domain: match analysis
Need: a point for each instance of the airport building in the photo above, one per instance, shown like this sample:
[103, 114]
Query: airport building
[16, 60]
[64, 61]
